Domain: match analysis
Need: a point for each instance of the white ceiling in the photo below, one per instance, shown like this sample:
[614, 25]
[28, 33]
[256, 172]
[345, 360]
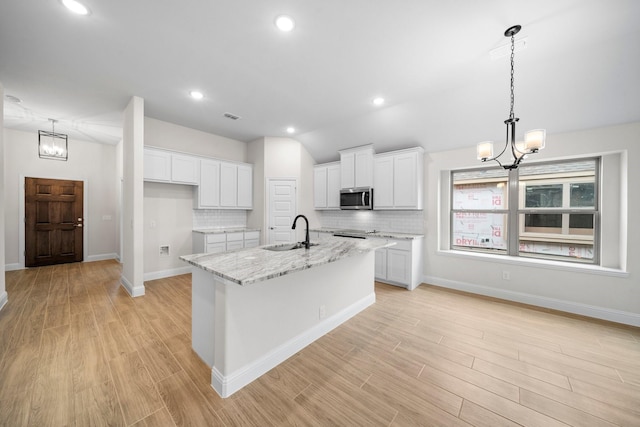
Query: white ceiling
[429, 59]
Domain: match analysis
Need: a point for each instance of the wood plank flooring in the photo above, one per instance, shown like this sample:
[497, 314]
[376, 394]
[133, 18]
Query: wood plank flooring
[75, 349]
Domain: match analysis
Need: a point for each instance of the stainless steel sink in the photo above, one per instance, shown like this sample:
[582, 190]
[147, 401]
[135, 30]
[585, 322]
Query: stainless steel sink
[287, 246]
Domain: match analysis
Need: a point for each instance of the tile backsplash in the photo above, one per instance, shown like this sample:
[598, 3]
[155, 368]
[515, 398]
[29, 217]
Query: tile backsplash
[218, 218]
[399, 221]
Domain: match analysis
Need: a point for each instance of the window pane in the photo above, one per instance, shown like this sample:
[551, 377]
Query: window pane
[480, 230]
[480, 190]
[543, 223]
[581, 224]
[543, 196]
[557, 250]
[582, 195]
[488, 195]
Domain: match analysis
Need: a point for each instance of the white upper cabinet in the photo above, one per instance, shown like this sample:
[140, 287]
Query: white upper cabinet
[185, 169]
[228, 185]
[218, 184]
[383, 181]
[236, 185]
[208, 192]
[326, 186]
[245, 186]
[157, 165]
[356, 167]
[398, 179]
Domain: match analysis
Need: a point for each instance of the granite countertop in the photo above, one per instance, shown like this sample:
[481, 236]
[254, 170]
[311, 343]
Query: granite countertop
[223, 230]
[376, 233]
[246, 266]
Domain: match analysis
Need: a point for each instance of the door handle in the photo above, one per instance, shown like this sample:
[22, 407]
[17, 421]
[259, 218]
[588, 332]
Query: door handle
[77, 225]
[272, 228]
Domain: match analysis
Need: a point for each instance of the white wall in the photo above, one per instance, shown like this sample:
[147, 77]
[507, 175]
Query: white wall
[612, 294]
[287, 158]
[175, 137]
[3, 292]
[170, 206]
[89, 161]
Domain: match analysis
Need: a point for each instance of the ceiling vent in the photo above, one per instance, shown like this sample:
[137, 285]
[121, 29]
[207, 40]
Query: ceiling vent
[231, 116]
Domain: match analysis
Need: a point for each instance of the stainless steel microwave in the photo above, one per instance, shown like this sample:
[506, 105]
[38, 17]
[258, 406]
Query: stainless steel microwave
[356, 198]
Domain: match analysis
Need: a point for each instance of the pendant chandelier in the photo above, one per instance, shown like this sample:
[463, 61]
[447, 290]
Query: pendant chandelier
[52, 145]
[533, 139]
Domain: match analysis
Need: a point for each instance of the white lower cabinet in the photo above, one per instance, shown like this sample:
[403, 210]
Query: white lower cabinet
[223, 242]
[400, 264]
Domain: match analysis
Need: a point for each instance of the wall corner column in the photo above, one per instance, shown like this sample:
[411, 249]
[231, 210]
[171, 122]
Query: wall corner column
[133, 198]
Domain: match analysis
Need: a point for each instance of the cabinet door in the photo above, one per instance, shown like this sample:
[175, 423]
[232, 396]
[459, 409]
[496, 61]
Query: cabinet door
[228, 185]
[209, 191]
[184, 169]
[347, 170]
[383, 182]
[216, 248]
[245, 186]
[333, 186]
[236, 244]
[405, 183]
[320, 187]
[364, 168]
[381, 264]
[157, 165]
[399, 266]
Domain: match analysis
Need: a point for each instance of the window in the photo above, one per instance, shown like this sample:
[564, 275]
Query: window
[543, 210]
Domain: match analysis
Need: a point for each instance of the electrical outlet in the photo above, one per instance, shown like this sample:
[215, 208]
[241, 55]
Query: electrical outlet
[322, 312]
[164, 250]
[506, 275]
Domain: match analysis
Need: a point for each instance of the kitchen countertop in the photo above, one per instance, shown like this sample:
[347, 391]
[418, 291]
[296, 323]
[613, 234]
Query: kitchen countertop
[223, 230]
[246, 266]
[376, 233]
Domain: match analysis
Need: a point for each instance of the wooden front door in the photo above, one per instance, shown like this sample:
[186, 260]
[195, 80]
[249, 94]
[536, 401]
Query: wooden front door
[53, 221]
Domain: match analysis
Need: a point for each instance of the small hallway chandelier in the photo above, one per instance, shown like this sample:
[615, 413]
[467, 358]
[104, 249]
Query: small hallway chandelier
[52, 145]
[533, 140]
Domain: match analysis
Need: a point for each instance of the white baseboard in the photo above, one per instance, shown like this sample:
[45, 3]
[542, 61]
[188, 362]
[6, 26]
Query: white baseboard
[226, 386]
[11, 267]
[4, 299]
[603, 313]
[101, 257]
[134, 291]
[154, 275]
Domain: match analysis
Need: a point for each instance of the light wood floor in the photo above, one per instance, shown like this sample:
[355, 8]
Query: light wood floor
[75, 349]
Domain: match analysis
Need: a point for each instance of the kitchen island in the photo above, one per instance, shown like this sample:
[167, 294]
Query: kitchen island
[254, 308]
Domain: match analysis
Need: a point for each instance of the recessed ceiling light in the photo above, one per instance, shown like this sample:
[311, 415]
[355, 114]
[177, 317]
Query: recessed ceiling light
[76, 7]
[285, 23]
[378, 101]
[291, 129]
[196, 94]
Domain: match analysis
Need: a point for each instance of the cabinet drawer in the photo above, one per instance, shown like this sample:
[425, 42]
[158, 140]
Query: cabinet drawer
[251, 243]
[401, 245]
[215, 248]
[216, 238]
[235, 237]
[251, 235]
[235, 244]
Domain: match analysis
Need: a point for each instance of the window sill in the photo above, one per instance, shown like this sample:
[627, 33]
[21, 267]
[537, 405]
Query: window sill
[534, 262]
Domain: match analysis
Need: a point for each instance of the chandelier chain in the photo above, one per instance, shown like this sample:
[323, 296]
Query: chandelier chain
[511, 115]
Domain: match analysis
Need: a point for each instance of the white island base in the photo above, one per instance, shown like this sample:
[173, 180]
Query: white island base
[244, 331]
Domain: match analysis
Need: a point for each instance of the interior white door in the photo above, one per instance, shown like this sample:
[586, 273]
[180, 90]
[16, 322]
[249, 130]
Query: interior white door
[282, 210]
